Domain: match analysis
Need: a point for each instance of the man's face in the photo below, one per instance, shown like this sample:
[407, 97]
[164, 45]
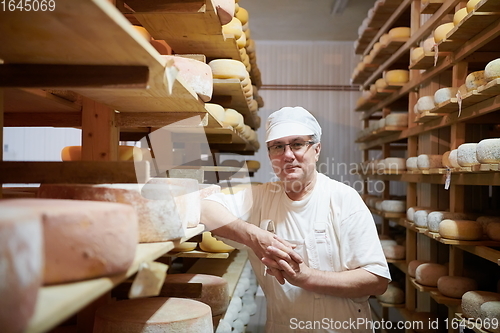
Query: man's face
[297, 163]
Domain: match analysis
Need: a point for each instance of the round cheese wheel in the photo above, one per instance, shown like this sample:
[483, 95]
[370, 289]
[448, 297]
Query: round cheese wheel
[426, 162]
[211, 244]
[161, 46]
[445, 94]
[492, 70]
[158, 314]
[367, 59]
[441, 31]
[410, 213]
[376, 47]
[214, 290]
[252, 164]
[394, 206]
[225, 10]
[385, 39]
[425, 103]
[490, 313]
[416, 54]
[242, 41]
[412, 266]
[195, 74]
[453, 157]
[461, 229]
[397, 119]
[446, 160]
[434, 219]
[471, 4]
[466, 154]
[475, 80]
[428, 45]
[393, 295]
[397, 252]
[428, 274]
[216, 111]
[233, 118]
[378, 204]
[400, 32]
[384, 242]
[381, 124]
[82, 239]
[485, 220]
[455, 286]
[459, 15]
[395, 164]
[493, 231]
[396, 76]
[380, 84]
[472, 301]
[234, 28]
[373, 89]
[420, 218]
[411, 163]
[21, 268]
[143, 32]
[185, 247]
[251, 50]
[228, 69]
[488, 151]
[242, 15]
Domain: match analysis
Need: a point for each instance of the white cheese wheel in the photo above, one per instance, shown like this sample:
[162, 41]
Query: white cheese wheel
[461, 229]
[233, 118]
[455, 286]
[492, 70]
[441, 31]
[411, 163]
[420, 218]
[378, 204]
[488, 151]
[397, 119]
[410, 213]
[384, 242]
[466, 155]
[471, 4]
[472, 301]
[396, 76]
[195, 74]
[446, 160]
[493, 231]
[211, 244]
[459, 15]
[216, 111]
[158, 314]
[21, 265]
[412, 266]
[228, 69]
[453, 157]
[434, 219]
[395, 163]
[394, 206]
[425, 103]
[214, 290]
[393, 295]
[83, 239]
[490, 313]
[428, 274]
[445, 94]
[428, 45]
[385, 39]
[242, 15]
[426, 162]
[397, 252]
[400, 32]
[416, 54]
[225, 10]
[234, 28]
[475, 80]
[380, 84]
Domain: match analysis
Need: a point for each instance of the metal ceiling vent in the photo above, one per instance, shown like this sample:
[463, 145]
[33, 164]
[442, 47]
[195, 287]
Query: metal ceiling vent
[339, 7]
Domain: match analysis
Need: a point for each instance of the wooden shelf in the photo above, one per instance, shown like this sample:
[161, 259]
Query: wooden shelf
[421, 287]
[56, 303]
[229, 94]
[387, 215]
[197, 254]
[426, 61]
[367, 105]
[427, 116]
[385, 52]
[431, 7]
[453, 303]
[36, 100]
[484, 252]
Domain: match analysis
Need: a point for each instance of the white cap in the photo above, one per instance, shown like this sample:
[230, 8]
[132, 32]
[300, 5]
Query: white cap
[289, 121]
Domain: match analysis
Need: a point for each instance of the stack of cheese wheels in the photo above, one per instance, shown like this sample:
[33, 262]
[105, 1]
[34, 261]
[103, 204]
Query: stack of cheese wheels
[425, 103]
[472, 301]
[225, 10]
[393, 295]
[396, 76]
[21, 268]
[159, 314]
[397, 119]
[394, 206]
[475, 80]
[428, 274]
[461, 229]
[490, 313]
[441, 31]
[420, 218]
[488, 151]
[165, 206]
[396, 164]
[216, 111]
[214, 290]
[125, 153]
[492, 70]
[471, 4]
[455, 286]
[412, 267]
[82, 239]
[434, 219]
[195, 74]
[210, 244]
[426, 162]
[466, 155]
[445, 94]
[411, 163]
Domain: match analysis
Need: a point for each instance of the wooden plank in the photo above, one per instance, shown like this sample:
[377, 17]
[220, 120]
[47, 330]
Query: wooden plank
[485, 252]
[157, 119]
[421, 287]
[491, 89]
[487, 6]
[427, 116]
[232, 88]
[431, 7]
[37, 100]
[197, 254]
[448, 301]
[426, 61]
[47, 119]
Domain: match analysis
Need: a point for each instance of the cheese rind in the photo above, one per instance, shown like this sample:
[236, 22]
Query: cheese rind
[211, 244]
[428, 45]
[216, 111]
[233, 118]
[460, 229]
[228, 69]
[493, 231]
[453, 158]
[471, 4]
[412, 266]
[396, 76]
[475, 80]
[234, 28]
[400, 32]
[490, 313]
[396, 252]
[455, 286]
[416, 54]
[410, 213]
[459, 15]
[394, 206]
[393, 295]
[411, 163]
[428, 274]
[488, 151]
[395, 163]
[442, 30]
[434, 219]
[466, 155]
[420, 218]
[425, 103]
[445, 94]
[472, 301]
[426, 162]
[492, 70]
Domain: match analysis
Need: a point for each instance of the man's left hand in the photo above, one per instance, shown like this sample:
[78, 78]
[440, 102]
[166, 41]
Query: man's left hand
[295, 273]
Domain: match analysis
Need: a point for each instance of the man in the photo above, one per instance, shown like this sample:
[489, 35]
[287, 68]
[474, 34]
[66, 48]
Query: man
[316, 252]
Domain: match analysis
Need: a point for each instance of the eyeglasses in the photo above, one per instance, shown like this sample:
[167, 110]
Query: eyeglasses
[295, 147]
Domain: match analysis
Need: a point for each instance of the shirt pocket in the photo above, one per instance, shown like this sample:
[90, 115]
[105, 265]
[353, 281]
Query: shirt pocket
[324, 246]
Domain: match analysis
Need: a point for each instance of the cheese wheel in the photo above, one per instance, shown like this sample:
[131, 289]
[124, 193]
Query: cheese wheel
[385, 242]
[446, 160]
[185, 247]
[195, 74]
[411, 163]
[158, 314]
[434, 219]
[228, 69]
[394, 206]
[471, 4]
[393, 295]
[225, 10]
[472, 301]
[493, 231]
[234, 28]
[428, 274]
[251, 51]
[490, 313]
[397, 119]
[211, 244]
[486, 220]
[21, 265]
[214, 290]
[161, 46]
[216, 111]
[475, 80]
[455, 286]
[242, 41]
[416, 54]
[420, 218]
[428, 45]
[459, 15]
[83, 239]
[488, 151]
[395, 164]
[396, 252]
[426, 162]
[460, 229]
[410, 213]
[466, 154]
[441, 31]
[412, 266]
[143, 32]
[385, 39]
[125, 153]
[453, 157]
[492, 70]
[396, 76]
[445, 94]
[378, 204]
[425, 103]
[233, 118]
[400, 32]
[252, 164]
[376, 47]
[242, 15]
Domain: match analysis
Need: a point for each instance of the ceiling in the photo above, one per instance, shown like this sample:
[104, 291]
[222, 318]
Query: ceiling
[304, 19]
